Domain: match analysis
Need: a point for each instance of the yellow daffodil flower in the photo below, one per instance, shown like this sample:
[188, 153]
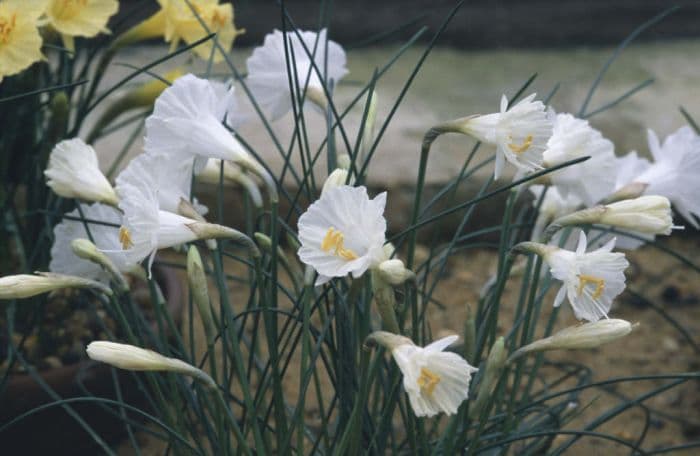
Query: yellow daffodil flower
[86, 18]
[20, 41]
[180, 20]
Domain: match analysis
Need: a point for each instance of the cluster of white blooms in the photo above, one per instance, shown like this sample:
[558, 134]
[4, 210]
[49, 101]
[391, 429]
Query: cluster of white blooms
[628, 193]
[192, 131]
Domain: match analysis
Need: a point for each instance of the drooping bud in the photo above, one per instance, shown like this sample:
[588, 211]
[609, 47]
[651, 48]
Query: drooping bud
[133, 358]
[588, 335]
[86, 250]
[26, 285]
[205, 230]
[394, 272]
[386, 339]
[385, 300]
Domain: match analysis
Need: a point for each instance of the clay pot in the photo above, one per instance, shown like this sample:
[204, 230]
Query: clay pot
[53, 430]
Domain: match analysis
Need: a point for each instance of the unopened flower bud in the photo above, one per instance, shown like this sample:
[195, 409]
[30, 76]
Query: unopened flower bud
[133, 358]
[337, 178]
[205, 230]
[85, 249]
[588, 335]
[370, 123]
[197, 280]
[26, 285]
[386, 339]
[394, 272]
[492, 373]
[344, 161]
[645, 214]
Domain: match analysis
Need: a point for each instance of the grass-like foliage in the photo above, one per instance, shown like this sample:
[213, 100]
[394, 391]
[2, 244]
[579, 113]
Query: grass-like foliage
[306, 330]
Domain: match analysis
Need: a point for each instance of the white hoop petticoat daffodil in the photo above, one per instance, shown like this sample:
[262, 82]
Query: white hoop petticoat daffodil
[591, 180]
[520, 133]
[435, 381]
[591, 280]
[147, 228]
[85, 18]
[674, 172]
[73, 172]
[20, 41]
[267, 69]
[187, 120]
[104, 235]
[343, 232]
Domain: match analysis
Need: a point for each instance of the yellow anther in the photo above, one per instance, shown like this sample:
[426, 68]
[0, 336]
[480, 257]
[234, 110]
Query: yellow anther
[125, 238]
[523, 147]
[6, 27]
[583, 280]
[333, 240]
[427, 381]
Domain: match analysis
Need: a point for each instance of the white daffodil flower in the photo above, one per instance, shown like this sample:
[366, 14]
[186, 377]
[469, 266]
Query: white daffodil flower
[133, 358]
[520, 133]
[674, 172]
[591, 180]
[104, 236]
[591, 280]
[73, 172]
[187, 120]
[343, 232]
[146, 227]
[267, 69]
[435, 381]
[172, 190]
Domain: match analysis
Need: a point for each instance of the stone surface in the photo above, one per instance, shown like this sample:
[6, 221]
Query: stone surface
[457, 83]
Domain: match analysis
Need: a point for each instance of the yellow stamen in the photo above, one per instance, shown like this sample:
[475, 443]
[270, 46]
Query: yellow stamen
[125, 238]
[583, 280]
[522, 148]
[427, 381]
[334, 239]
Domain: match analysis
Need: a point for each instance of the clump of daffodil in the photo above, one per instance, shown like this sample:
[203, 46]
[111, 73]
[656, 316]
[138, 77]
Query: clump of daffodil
[20, 41]
[86, 18]
[188, 21]
[436, 381]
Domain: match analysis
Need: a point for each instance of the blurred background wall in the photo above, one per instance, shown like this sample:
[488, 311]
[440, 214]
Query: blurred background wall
[479, 23]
